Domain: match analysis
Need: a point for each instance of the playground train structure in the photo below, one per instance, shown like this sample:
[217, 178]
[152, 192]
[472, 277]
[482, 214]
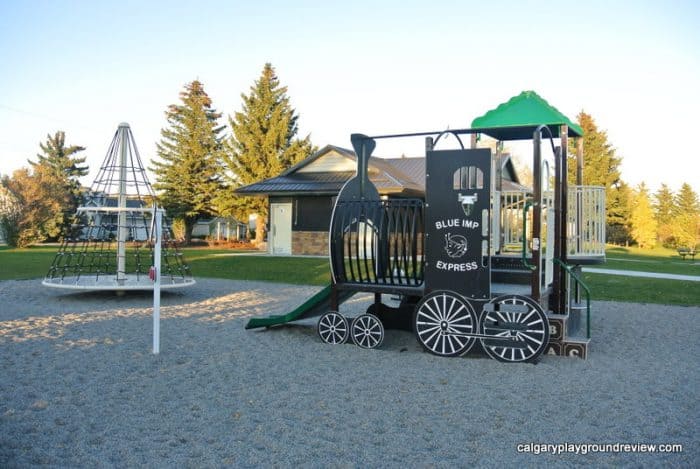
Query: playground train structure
[474, 261]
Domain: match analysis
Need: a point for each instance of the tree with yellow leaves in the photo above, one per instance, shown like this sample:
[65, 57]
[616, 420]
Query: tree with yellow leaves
[642, 221]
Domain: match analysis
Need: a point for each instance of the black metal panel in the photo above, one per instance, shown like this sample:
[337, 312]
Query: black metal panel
[458, 197]
[312, 213]
[360, 187]
[281, 200]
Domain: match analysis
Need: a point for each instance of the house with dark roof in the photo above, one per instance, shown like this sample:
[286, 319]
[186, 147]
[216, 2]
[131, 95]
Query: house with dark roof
[301, 198]
[108, 222]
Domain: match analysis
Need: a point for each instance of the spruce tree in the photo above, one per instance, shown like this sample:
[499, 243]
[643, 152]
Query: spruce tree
[664, 211]
[262, 145]
[642, 221]
[686, 220]
[65, 168]
[189, 171]
[61, 159]
[618, 207]
[601, 167]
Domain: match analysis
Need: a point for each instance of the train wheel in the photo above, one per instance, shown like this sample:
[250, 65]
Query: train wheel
[443, 320]
[333, 328]
[521, 325]
[367, 331]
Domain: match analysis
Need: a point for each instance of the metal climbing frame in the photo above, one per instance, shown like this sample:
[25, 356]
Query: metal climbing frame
[378, 243]
[436, 252]
[110, 244]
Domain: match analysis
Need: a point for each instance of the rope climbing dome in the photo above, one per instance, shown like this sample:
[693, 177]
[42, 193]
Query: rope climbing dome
[110, 244]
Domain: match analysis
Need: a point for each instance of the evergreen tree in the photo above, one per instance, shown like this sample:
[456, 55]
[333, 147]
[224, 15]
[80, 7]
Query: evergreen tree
[262, 145]
[618, 209]
[601, 167]
[63, 164]
[189, 171]
[642, 221]
[687, 200]
[664, 211]
[61, 159]
[686, 221]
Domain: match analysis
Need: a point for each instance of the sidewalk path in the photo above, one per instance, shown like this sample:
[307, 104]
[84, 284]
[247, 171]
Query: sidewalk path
[632, 273]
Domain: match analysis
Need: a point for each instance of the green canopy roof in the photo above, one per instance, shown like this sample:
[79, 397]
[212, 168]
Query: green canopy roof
[518, 118]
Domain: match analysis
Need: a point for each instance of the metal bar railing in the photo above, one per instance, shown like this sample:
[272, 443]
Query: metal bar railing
[378, 242]
[586, 290]
[586, 221]
[526, 207]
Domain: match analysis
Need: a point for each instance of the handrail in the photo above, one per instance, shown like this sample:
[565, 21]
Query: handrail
[526, 207]
[570, 271]
[449, 132]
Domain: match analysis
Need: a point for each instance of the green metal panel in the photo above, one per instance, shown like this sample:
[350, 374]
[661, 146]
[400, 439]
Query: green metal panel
[517, 118]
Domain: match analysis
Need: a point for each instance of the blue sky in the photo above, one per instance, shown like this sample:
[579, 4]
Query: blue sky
[371, 67]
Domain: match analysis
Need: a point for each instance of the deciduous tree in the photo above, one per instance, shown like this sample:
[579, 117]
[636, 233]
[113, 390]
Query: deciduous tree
[642, 221]
[40, 196]
[188, 174]
[10, 214]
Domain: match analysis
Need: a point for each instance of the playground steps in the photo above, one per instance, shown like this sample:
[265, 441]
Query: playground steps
[509, 270]
[564, 339]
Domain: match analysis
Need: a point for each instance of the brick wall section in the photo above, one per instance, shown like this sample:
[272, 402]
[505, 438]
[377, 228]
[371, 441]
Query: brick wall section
[310, 243]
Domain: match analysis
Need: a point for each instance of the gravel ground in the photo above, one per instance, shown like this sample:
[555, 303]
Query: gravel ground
[80, 388]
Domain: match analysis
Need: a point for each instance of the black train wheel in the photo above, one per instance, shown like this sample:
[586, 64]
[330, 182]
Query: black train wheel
[443, 320]
[367, 331]
[521, 325]
[333, 328]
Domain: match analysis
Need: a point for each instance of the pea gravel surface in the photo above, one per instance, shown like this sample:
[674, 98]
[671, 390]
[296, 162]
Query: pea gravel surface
[79, 387]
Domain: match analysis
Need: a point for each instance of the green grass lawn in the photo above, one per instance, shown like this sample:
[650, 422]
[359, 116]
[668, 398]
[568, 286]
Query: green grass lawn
[34, 262]
[642, 290]
[20, 264]
[645, 290]
[236, 265]
[243, 266]
[661, 260]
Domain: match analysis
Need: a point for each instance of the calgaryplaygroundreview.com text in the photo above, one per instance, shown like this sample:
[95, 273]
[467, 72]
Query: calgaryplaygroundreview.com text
[586, 448]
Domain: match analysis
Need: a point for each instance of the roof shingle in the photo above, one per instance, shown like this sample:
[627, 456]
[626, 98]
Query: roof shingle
[397, 176]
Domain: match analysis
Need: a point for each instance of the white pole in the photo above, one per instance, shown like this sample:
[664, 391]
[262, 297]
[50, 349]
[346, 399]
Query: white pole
[121, 228]
[156, 281]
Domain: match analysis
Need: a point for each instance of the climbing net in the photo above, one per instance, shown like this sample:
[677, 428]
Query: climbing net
[89, 254]
[109, 245]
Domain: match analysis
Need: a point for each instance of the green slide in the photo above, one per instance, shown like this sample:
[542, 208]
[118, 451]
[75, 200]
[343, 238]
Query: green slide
[314, 306]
